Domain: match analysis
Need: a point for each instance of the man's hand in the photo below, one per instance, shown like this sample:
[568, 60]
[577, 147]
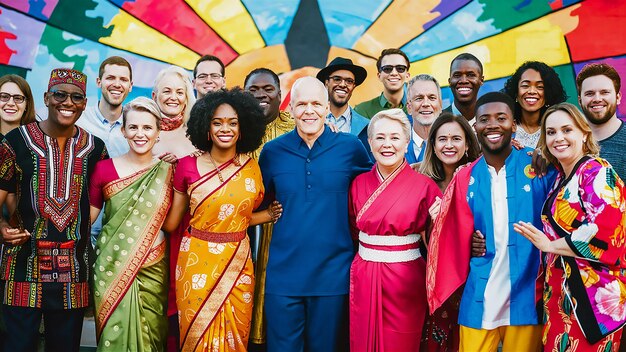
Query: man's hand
[13, 236]
[479, 248]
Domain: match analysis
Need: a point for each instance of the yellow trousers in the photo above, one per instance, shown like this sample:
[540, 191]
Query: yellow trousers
[525, 338]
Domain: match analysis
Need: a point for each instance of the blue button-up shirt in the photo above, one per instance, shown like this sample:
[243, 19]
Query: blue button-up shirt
[95, 123]
[311, 248]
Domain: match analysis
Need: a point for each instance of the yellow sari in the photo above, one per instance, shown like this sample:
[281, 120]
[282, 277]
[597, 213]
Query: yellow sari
[214, 272]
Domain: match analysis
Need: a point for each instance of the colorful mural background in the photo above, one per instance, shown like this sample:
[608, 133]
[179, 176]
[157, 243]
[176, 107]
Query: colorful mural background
[297, 37]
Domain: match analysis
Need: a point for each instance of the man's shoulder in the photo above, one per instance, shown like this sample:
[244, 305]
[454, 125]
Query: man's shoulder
[366, 108]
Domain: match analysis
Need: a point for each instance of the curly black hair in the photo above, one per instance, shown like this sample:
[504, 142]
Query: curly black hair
[554, 92]
[251, 119]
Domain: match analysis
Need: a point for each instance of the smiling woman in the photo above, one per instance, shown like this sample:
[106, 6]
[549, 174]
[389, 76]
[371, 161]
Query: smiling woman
[173, 92]
[16, 103]
[220, 189]
[388, 217]
[130, 294]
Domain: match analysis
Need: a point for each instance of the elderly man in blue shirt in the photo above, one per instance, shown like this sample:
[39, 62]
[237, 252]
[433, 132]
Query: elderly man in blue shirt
[309, 170]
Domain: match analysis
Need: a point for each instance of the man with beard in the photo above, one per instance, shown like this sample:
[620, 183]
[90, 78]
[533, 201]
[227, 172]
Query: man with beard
[466, 77]
[598, 95]
[208, 75]
[340, 77]
[264, 85]
[424, 104]
[393, 71]
[498, 303]
[45, 264]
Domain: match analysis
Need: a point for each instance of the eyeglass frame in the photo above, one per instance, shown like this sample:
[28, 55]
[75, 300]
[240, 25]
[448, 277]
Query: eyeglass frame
[390, 68]
[15, 97]
[205, 76]
[338, 79]
[67, 94]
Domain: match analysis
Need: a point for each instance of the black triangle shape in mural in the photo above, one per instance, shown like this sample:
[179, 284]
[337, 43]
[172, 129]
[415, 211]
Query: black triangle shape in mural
[307, 42]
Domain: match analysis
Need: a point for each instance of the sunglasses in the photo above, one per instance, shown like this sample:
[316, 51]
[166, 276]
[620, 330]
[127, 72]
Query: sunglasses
[338, 80]
[388, 68]
[17, 98]
[60, 96]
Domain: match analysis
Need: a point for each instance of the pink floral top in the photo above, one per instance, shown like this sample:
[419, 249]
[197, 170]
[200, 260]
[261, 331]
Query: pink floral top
[588, 210]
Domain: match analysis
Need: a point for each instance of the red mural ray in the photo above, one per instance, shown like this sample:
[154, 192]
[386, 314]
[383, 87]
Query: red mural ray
[177, 20]
[600, 32]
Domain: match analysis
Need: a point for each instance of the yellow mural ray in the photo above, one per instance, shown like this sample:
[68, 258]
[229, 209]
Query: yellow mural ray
[231, 20]
[137, 37]
[372, 86]
[402, 21]
[541, 40]
[273, 57]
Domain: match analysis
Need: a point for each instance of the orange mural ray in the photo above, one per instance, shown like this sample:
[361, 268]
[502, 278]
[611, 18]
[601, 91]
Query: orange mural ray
[273, 57]
[402, 21]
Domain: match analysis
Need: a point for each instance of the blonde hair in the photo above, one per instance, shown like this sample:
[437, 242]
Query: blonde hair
[142, 104]
[391, 114]
[590, 146]
[184, 76]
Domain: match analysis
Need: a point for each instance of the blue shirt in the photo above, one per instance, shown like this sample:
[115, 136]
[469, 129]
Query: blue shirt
[525, 196]
[311, 248]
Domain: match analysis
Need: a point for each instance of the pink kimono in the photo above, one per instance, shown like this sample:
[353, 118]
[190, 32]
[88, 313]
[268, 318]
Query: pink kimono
[388, 275]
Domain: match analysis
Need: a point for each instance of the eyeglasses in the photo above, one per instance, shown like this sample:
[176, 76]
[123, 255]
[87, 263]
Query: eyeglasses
[213, 76]
[388, 68]
[17, 98]
[60, 96]
[338, 80]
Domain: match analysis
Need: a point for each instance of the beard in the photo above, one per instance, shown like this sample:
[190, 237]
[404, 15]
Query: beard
[599, 120]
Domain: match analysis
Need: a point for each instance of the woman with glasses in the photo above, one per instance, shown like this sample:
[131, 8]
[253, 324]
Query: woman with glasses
[534, 86]
[583, 239]
[16, 103]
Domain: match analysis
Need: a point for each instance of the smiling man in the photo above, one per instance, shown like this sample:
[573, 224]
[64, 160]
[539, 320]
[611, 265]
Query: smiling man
[393, 71]
[424, 104]
[466, 77]
[104, 119]
[45, 264]
[208, 75]
[309, 170]
[340, 78]
[599, 94]
[499, 300]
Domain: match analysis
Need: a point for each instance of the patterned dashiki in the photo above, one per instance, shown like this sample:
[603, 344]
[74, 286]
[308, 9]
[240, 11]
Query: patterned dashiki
[51, 269]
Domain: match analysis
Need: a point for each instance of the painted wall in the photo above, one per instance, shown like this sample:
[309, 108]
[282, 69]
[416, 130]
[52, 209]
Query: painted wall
[296, 38]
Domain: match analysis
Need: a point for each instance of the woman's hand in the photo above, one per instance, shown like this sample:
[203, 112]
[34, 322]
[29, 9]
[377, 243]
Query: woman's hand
[435, 208]
[168, 158]
[534, 235]
[13, 236]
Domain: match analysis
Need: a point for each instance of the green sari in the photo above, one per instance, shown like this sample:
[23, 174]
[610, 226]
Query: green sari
[130, 271]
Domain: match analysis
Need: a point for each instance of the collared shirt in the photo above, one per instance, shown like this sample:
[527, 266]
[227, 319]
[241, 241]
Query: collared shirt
[371, 107]
[95, 123]
[311, 249]
[498, 289]
[343, 121]
[418, 145]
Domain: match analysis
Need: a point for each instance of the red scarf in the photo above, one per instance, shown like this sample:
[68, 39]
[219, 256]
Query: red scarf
[171, 123]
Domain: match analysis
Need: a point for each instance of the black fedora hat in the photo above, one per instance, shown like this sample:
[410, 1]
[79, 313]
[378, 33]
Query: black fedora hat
[341, 63]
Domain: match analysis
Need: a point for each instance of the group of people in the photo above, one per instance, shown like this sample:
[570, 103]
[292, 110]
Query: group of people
[395, 225]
